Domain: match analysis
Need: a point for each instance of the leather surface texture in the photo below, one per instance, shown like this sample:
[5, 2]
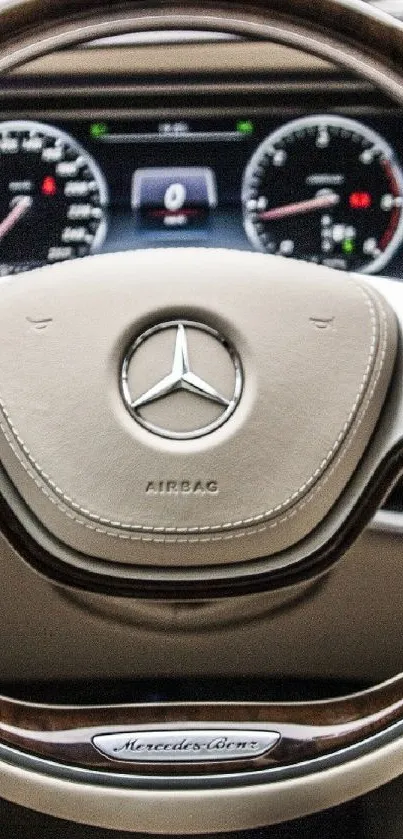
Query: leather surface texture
[317, 350]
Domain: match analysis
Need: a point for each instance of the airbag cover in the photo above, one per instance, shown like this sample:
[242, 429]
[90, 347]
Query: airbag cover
[316, 350]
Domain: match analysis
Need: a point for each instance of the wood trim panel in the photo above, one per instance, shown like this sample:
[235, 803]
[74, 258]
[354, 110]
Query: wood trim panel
[64, 734]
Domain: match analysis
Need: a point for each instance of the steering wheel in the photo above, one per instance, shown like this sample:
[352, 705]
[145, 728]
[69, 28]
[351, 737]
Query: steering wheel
[191, 423]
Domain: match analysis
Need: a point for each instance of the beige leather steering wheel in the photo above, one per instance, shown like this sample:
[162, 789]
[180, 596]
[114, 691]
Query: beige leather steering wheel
[183, 426]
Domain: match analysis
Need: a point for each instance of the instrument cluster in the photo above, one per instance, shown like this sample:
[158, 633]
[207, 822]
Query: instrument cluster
[324, 188]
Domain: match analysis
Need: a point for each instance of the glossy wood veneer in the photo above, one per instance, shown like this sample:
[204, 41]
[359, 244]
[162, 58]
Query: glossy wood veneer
[64, 734]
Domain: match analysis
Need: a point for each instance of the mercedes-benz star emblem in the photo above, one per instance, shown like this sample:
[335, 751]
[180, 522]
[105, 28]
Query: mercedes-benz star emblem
[186, 397]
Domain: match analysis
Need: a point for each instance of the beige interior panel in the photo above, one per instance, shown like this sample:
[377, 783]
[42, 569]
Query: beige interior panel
[347, 626]
[215, 57]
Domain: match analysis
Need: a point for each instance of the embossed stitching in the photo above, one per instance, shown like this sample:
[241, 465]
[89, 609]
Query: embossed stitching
[148, 533]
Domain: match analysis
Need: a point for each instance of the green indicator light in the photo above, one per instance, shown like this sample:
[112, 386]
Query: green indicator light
[98, 129]
[348, 246]
[245, 126]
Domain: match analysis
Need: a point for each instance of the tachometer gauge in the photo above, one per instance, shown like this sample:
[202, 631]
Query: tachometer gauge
[52, 197]
[328, 190]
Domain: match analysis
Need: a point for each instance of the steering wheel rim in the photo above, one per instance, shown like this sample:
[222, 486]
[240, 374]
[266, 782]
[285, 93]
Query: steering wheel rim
[376, 51]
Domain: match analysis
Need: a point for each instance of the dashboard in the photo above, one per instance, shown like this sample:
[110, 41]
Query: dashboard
[321, 186]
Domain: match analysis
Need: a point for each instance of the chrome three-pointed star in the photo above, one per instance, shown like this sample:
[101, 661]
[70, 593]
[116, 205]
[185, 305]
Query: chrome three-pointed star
[180, 378]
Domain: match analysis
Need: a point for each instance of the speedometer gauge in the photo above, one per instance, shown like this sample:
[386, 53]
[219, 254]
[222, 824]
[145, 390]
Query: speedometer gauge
[52, 197]
[328, 190]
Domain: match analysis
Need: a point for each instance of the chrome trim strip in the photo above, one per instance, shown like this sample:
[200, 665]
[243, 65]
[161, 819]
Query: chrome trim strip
[186, 745]
[388, 521]
[175, 36]
[390, 7]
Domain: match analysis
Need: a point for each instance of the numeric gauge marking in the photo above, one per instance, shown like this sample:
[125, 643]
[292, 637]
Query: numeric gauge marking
[44, 177]
[336, 198]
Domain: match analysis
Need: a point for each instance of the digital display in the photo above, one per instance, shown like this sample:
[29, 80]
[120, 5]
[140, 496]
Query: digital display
[173, 197]
[330, 190]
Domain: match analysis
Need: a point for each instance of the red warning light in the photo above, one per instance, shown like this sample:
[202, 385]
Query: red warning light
[49, 186]
[360, 200]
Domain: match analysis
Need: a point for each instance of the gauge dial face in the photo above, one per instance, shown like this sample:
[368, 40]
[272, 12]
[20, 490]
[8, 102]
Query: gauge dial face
[52, 197]
[328, 190]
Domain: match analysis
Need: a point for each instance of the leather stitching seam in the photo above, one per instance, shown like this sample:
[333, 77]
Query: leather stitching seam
[100, 525]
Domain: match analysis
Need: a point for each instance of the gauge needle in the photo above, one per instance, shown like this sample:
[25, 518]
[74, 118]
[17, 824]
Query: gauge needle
[321, 202]
[15, 215]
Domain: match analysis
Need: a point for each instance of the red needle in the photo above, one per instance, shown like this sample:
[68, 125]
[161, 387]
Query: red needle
[14, 215]
[321, 202]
